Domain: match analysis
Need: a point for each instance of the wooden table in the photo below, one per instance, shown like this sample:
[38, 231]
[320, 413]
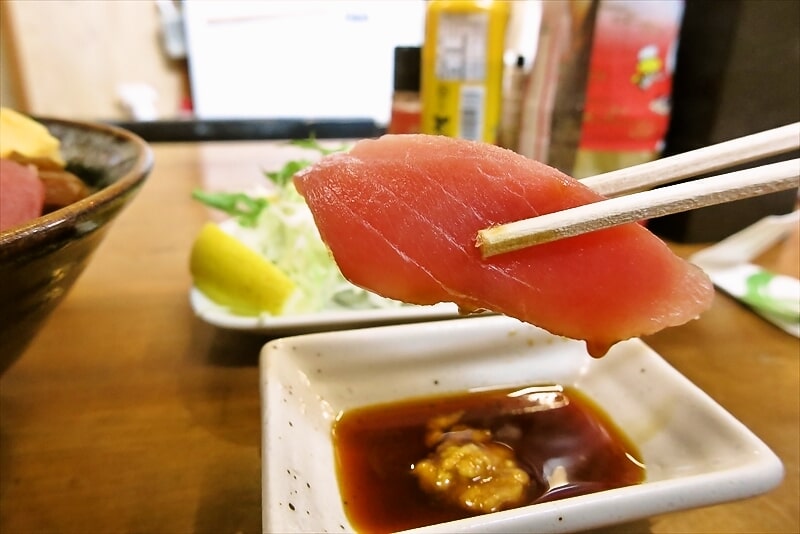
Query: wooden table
[128, 414]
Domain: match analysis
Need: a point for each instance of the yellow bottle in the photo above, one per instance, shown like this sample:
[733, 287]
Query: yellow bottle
[462, 68]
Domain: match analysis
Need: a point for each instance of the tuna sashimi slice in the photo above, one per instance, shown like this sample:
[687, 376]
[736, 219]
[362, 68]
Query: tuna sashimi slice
[400, 215]
[21, 193]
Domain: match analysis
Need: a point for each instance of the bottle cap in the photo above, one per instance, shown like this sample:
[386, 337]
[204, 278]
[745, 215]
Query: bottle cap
[407, 68]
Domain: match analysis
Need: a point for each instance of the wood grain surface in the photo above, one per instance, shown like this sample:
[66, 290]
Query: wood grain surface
[128, 414]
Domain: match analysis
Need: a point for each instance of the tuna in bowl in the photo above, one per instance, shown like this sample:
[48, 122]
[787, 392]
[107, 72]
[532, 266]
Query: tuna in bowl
[41, 258]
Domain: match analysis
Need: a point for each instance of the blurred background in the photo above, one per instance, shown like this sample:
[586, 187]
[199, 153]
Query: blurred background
[738, 67]
[262, 59]
[165, 59]
[587, 85]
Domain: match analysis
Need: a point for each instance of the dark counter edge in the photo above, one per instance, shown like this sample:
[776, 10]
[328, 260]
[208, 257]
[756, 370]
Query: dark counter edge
[167, 131]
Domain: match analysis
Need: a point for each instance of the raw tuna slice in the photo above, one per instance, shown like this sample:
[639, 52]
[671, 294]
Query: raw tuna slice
[401, 214]
[21, 193]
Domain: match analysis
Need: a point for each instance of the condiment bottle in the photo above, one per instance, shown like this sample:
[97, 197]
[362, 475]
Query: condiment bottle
[512, 105]
[406, 111]
[627, 108]
[462, 68]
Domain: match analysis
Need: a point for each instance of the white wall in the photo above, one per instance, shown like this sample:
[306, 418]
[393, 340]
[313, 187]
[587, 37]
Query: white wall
[297, 59]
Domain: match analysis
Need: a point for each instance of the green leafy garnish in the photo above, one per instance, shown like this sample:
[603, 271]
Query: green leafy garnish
[244, 207]
[284, 175]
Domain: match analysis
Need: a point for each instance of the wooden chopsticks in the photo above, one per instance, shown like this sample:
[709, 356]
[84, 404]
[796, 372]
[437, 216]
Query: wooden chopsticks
[663, 201]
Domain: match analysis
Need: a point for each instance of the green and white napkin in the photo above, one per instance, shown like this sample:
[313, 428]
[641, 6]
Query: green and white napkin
[775, 297]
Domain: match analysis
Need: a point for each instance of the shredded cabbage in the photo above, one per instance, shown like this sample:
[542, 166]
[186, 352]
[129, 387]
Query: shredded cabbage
[283, 230]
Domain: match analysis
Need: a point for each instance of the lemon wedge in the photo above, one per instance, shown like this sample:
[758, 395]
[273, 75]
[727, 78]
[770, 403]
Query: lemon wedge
[233, 275]
[25, 136]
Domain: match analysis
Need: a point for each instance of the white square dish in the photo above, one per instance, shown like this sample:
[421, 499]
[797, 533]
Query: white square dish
[696, 453]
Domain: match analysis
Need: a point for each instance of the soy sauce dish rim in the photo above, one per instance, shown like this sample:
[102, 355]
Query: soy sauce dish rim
[697, 454]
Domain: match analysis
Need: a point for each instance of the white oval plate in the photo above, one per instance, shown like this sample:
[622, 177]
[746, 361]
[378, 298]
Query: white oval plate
[696, 453]
[336, 319]
[219, 316]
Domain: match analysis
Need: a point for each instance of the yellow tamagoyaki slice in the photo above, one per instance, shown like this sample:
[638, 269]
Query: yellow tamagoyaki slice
[22, 135]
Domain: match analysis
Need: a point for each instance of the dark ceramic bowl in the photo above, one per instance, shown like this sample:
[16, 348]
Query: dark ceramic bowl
[40, 260]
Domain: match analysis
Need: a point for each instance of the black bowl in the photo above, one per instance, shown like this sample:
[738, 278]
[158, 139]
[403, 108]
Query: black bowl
[40, 260]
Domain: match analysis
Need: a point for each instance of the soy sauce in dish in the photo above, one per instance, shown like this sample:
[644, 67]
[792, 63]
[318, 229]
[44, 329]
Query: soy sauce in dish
[565, 444]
